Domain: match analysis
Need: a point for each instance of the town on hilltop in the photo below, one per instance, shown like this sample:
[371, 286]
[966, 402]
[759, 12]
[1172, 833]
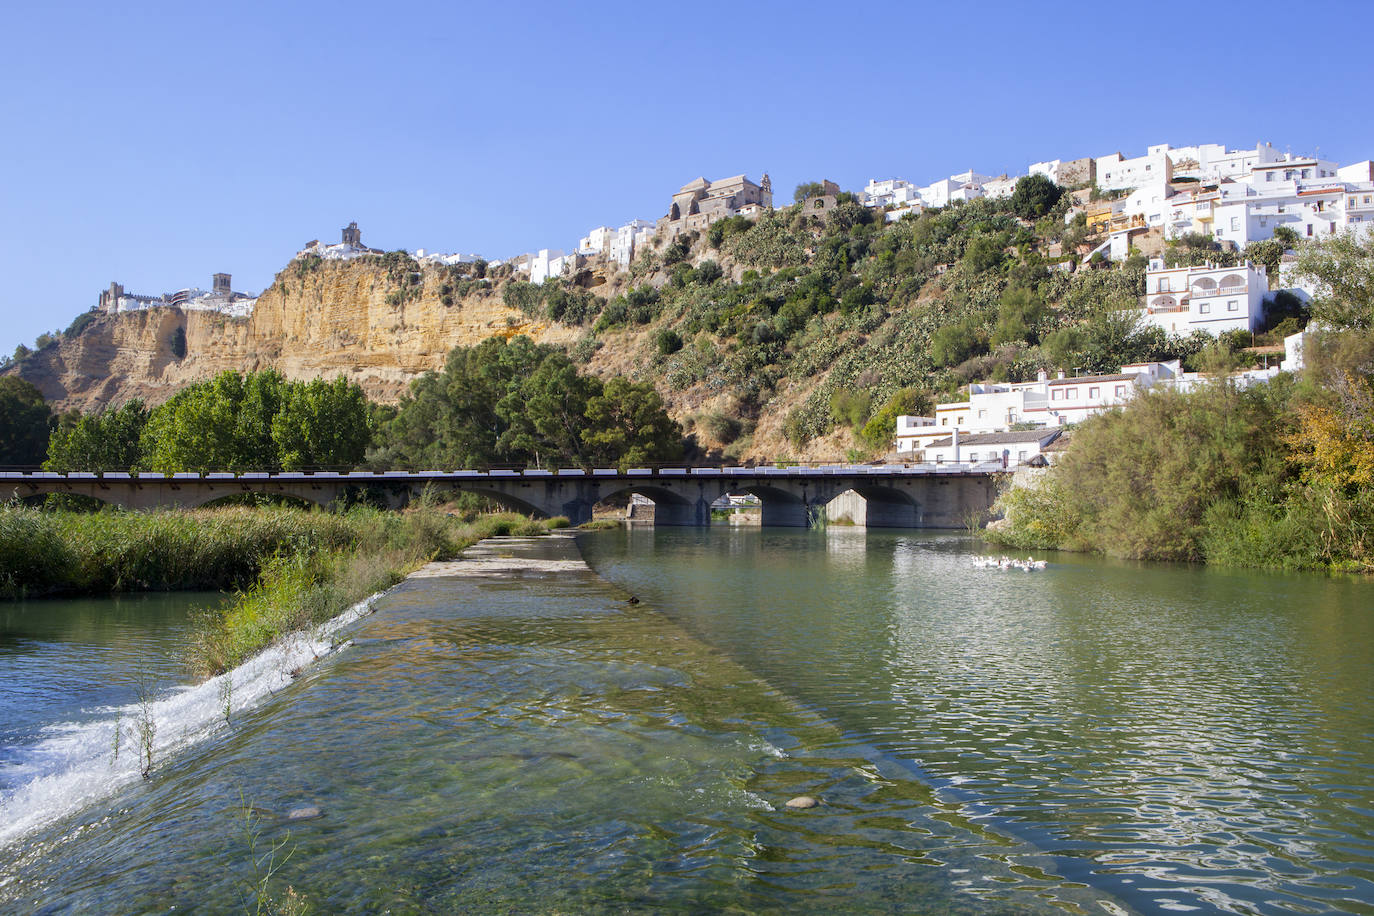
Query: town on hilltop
[1229, 198]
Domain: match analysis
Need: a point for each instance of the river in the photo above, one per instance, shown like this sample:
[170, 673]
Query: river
[1097, 737]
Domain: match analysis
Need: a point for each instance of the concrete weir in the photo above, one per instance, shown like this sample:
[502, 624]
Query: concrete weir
[891, 496]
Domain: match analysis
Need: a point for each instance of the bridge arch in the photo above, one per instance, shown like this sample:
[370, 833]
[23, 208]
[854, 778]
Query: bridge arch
[670, 508]
[889, 507]
[779, 507]
[500, 497]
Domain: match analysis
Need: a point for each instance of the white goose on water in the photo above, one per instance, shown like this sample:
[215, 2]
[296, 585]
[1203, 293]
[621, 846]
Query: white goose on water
[1026, 565]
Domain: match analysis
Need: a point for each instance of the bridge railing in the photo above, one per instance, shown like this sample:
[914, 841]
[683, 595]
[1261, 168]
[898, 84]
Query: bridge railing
[791, 468]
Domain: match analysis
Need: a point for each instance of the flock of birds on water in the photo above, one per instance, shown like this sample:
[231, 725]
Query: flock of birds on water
[1026, 565]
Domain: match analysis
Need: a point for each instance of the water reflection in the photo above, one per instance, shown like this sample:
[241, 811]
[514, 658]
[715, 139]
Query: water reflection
[1177, 736]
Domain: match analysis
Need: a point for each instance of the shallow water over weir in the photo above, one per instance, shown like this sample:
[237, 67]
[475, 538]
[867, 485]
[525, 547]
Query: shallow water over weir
[511, 734]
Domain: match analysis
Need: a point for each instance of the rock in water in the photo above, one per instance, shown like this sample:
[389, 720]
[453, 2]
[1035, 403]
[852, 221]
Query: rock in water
[310, 812]
[802, 801]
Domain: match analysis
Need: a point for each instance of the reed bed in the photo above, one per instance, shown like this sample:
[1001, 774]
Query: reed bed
[289, 568]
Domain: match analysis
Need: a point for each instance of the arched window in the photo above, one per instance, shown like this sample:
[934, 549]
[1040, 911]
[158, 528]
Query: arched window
[1231, 281]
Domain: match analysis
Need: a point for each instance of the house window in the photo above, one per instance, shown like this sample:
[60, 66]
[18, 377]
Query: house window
[1204, 308]
[1021, 457]
[972, 456]
[1121, 391]
[1232, 305]
[982, 414]
[1235, 224]
[1309, 230]
[1094, 392]
[1071, 394]
[960, 421]
[1057, 394]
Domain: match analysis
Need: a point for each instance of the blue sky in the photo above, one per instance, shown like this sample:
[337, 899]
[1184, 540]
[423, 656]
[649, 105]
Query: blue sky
[156, 144]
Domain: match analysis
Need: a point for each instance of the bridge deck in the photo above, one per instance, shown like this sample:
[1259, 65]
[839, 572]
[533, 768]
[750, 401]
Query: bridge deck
[632, 474]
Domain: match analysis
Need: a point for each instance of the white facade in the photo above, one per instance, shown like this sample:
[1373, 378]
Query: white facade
[548, 262]
[995, 406]
[1181, 300]
[1117, 173]
[915, 433]
[596, 241]
[1006, 449]
[630, 238]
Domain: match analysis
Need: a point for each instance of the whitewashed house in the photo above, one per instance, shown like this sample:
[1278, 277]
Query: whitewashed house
[629, 239]
[1007, 449]
[1208, 298]
[915, 433]
[1117, 173]
[548, 262]
[596, 241]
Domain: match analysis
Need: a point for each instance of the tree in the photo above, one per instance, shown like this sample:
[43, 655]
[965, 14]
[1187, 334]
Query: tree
[1342, 266]
[880, 432]
[322, 423]
[807, 190]
[25, 421]
[954, 343]
[257, 422]
[104, 441]
[985, 252]
[1020, 313]
[545, 414]
[1034, 196]
[627, 424]
[1286, 235]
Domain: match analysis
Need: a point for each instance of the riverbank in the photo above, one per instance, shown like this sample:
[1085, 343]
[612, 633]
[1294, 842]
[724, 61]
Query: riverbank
[290, 568]
[300, 590]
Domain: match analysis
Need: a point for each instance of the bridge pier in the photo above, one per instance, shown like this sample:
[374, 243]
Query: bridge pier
[898, 496]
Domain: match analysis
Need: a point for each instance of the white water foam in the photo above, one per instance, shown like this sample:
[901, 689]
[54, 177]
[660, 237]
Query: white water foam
[73, 765]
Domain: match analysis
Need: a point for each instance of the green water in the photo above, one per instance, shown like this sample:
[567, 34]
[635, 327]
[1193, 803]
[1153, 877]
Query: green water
[1096, 737]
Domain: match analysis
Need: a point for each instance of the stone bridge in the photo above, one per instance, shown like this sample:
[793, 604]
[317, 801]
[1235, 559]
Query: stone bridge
[894, 496]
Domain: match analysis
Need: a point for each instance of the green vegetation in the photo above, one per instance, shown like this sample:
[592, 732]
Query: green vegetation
[307, 587]
[258, 421]
[25, 421]
[294, 568]
[1277, 476]
[45, 553]
[1343, 266]
[104, 441]
[518, 402]
[929, 302]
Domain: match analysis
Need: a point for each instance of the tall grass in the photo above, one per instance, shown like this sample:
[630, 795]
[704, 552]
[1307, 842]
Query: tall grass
[292, 568]
[45, 553]
[300, 590]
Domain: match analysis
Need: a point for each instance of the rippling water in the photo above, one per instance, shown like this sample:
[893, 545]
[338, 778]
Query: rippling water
[1177, 737]
[1098, 737]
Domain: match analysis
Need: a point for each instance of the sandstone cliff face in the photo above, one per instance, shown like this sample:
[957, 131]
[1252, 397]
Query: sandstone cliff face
[332, 320]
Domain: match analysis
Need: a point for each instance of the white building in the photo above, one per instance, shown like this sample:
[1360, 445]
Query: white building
[995, 406]
[1008, 449]
[629, 239]
[1115, 172]
[549, 262]
[890, 192]
[596, 241]
[447, 260]
[1208, 298]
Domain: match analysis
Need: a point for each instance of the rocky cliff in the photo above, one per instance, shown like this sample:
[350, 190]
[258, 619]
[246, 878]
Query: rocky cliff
[350, 318]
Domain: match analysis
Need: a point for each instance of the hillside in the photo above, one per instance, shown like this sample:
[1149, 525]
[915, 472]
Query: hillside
[782, 337]
[317, 319]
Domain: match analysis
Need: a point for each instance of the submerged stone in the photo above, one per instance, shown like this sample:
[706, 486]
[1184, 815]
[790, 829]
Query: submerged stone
[306, 813]
[802, 801]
